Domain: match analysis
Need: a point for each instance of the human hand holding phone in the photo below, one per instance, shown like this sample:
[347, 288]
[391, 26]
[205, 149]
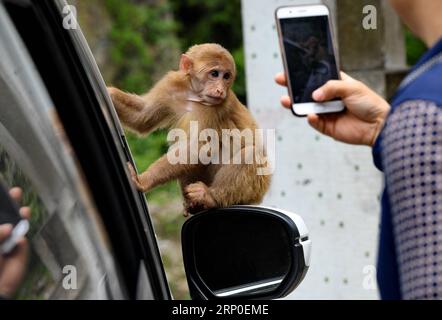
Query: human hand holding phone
[360, 123]
[13, 264]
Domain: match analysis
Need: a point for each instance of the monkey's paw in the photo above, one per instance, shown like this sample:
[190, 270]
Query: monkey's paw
[135, 178]
[111, 91]
[198, 198]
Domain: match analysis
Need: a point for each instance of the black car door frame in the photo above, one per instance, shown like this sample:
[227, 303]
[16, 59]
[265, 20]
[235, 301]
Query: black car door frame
[77, 89]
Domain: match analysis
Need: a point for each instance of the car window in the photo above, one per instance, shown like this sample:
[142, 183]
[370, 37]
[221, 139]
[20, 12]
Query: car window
[64, 260]
[70, 256]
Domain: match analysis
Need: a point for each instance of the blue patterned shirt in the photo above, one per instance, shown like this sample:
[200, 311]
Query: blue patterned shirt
[409, 152]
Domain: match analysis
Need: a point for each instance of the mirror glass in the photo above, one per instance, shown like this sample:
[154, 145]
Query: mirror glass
[237, 253]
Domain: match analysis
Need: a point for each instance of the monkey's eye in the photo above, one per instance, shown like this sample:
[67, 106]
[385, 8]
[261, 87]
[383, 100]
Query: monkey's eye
[214, 73]
[227, 76]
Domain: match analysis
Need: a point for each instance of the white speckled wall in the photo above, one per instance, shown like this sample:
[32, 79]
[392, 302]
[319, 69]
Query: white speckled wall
[334, 187]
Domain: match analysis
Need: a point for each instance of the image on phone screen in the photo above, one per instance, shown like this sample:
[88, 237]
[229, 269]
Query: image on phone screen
[310, 56]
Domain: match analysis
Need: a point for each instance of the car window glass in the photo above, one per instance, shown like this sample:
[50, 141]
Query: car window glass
[70, 256]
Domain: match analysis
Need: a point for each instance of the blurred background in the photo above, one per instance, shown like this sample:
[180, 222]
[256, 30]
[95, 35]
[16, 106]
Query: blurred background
[135, 42]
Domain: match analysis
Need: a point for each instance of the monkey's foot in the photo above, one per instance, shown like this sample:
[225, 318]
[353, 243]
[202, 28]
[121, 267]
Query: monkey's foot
[191, 208]
[198, 198]
[135, 178]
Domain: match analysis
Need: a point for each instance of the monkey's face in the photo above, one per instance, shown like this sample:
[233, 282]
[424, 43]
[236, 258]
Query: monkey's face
[212, 71]
[213, 81]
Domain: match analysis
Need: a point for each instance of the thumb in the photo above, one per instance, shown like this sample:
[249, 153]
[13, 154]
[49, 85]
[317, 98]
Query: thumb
[336, 89]
[5, 231]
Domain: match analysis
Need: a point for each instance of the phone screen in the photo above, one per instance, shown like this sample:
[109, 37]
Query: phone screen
[310, 56]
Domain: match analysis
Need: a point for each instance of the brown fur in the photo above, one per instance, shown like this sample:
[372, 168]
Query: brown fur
[167, 105]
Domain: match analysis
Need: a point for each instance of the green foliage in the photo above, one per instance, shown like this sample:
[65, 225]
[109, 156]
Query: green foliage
[415, 47]
[139, 35]
[142, 35]
[217, 21]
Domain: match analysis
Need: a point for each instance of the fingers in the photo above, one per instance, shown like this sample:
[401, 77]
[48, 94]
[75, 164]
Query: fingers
[25, 213]
[16, 194]
[131, 169]
[286, 102]
[111, 90]
[5, 231]
[330, 91]
[316, 122]
[192, 191]
[138, 184]
[333, 89]
[336, 89]
[135, 178]
[324, 123]
[281, 79]
[133, 174]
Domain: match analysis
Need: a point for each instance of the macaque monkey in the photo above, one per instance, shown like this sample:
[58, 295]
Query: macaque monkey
[199, 91]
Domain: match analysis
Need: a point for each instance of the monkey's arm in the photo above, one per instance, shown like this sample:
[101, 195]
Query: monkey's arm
[141, 114]
[160, 172]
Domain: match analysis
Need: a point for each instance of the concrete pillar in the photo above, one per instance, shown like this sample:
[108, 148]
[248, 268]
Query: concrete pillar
[335, 187]
[376, 57]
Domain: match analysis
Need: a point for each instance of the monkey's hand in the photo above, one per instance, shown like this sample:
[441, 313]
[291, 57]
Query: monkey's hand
[112, 92]
[136, 178]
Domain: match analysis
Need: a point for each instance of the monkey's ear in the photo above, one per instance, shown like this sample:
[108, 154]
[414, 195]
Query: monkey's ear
[186, 63]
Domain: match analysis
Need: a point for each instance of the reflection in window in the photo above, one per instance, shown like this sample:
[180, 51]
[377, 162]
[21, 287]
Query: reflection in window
[57, 238]
[38, 282]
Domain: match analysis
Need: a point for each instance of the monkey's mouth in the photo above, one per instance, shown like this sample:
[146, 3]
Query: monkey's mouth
[213, 100]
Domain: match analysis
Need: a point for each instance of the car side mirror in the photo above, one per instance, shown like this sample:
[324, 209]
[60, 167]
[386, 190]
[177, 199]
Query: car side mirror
[246, 252]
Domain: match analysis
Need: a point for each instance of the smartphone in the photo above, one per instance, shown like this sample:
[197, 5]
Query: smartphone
[309, 56]
[9, 214]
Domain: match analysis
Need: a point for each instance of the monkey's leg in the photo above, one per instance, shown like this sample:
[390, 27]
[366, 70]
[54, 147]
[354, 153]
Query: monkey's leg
[233, 184]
